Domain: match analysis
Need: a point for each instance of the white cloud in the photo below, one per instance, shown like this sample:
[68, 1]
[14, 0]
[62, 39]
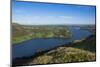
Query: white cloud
[66, 17]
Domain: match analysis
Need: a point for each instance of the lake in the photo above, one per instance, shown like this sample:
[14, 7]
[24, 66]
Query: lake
[29, 47]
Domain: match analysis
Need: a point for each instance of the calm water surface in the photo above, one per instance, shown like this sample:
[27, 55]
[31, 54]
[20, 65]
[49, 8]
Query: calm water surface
[29, 47]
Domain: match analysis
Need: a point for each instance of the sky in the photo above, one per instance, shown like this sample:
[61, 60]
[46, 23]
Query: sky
[32, 13]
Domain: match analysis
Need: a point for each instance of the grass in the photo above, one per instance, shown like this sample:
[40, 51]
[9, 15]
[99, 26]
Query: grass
[77, 51]
[20, 39]
[64, 55]
[21, 34]
[81, 51]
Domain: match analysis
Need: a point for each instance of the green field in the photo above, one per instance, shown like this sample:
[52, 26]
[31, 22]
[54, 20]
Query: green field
[23, 33]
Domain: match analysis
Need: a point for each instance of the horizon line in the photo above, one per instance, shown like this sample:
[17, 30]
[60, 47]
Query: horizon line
[55, 24]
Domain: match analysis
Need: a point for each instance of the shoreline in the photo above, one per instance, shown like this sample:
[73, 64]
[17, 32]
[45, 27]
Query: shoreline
[21, 61]
[39, 38]
[64, 45]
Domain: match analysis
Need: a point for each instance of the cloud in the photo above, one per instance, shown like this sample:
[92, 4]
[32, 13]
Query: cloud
[57, 17]
[66, 17]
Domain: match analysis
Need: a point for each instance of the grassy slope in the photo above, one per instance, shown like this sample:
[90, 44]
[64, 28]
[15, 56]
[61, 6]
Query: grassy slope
[21, 34]
[76, 52]
[64, 54]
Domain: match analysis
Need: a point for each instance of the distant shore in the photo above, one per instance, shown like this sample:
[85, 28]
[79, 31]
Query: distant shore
[23, 33]
[27, 60]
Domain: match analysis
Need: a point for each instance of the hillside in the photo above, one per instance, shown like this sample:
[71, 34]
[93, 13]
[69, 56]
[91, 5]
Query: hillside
[19, 34]
[64, 55]
[18, 30]
[26, 32]
[80, 51]
[76, 52]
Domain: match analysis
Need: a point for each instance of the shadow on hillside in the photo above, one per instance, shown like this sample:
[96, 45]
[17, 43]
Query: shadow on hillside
[88, 44]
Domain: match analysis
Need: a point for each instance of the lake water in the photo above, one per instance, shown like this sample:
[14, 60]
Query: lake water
[29, 47]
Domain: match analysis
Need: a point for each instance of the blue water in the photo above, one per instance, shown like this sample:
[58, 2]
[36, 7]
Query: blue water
[29, 47]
